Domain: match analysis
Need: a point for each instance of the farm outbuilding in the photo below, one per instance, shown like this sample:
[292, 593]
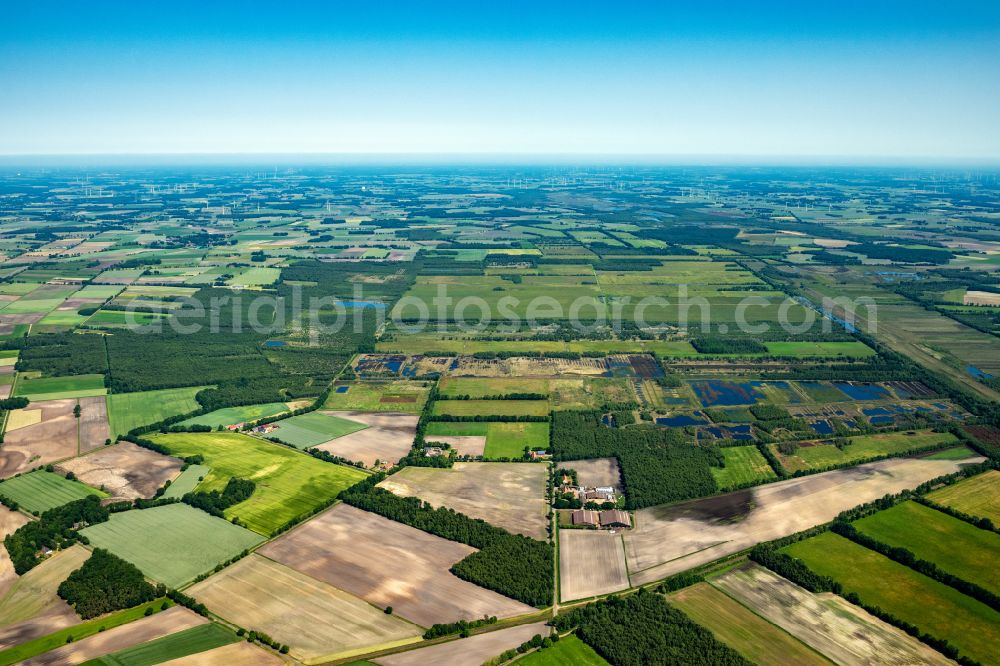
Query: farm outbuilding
[585, 517]
[615, 518]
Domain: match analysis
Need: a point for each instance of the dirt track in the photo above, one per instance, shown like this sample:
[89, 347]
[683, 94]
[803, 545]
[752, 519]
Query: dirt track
[389, 564]
[125, 470]
[670, 539]
[389, 436]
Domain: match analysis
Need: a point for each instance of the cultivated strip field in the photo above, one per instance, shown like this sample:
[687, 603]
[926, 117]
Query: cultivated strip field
[94, 427]
[289, 483]
[670, 539]
[312, 429]
[186, 481]
[826, 622]
[146, 629]
[40, 490]
[596, 472]
[172, 544]
[471, 651]
[388, 437]
[316, 620]
[9, 522]
[977, 496]
[132, 410]
[125, 470]
[31, 607]
[388, 564]
[51, 439]
[227, 655]
[591, 562]
[508, 495]
[744, 631]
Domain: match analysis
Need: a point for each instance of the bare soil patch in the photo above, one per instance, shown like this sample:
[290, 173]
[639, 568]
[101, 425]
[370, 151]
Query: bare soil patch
[51, 440]
[508, 495]
[227, 655]
[315, 619]
[827, 623]
[9, 522]
[125, 470]
[146, 629]
[673, 538]
[389, 436]
[596, 472]
[94, 427]
[389, 564]
[465, 445]
[471, 651]
[981, 298]
[591, 562]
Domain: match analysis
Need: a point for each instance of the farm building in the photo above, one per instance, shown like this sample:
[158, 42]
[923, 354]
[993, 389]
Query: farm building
[585, 517]
[615, 518]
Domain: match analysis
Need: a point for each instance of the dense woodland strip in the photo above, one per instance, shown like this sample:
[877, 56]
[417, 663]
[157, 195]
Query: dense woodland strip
[106, 583]
[511, 564]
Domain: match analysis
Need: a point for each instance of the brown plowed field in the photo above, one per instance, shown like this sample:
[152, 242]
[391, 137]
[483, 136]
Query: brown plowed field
[51, 440]
[124, 470]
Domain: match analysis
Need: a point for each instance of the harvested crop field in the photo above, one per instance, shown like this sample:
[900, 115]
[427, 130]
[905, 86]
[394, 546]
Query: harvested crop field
[31, 607]
[388, 437]
[591, 562]
[508, 495]
[307, 430]
[472, 651]
[315, 619]
[94, 427]
[9, 522]
[52, 439]
[596, 472]
[41, 490]
[464, 445]
[826, 622]
[670, 539]
[125, 470]
[388, 564]
[125, 636]
[977, 496]
[235, 653]
[173, 543]
[744, 631]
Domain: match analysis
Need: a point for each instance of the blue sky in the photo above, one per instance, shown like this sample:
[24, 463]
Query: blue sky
[846, 80]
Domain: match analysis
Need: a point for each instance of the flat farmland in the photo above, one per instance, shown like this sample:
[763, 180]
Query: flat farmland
[31, 607]
[315, 619]
[40, 491]
[307, 430]
[186, 481]
[172, 544]
[476, 387]
[954, 545]
[746, 632]
[825, 622]
[977, 496]
[674, 538]
[507, 440]
[388, 564]
[125, 470]
[10, 521]
[51, 439]
[817, 454]
[471, 651]
[596, 472]
[852, 349]
[94, 427]
[77, 386]
[387, 436]
[132, 410]
[591, 562]
[177, 645]
[491, 407]
[935, 608]
[234, 415]
[508, 495]
[142, 630]
[744, 464]
[589, 393]
[392, 396]
[289, 483]
[234, 653]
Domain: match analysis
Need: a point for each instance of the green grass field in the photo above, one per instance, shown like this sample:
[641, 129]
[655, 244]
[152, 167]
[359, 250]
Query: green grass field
[173, 543]
[954, 453]
[256, 277]
[939, 610]
[132, 410]
[851, 349]
[860, 448]
[173, 646]
[478, 387]
[492, 407]
[742, 629]
[744, 464]
[289, 483]
[187, 481]
[314, 428]
[67, 387]
[233, 415]
[393, 396]
[976, 496]
[507, 440]
[954, 545]
[77, 632]
[40, 491]
[569, 651]
[458, 429]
